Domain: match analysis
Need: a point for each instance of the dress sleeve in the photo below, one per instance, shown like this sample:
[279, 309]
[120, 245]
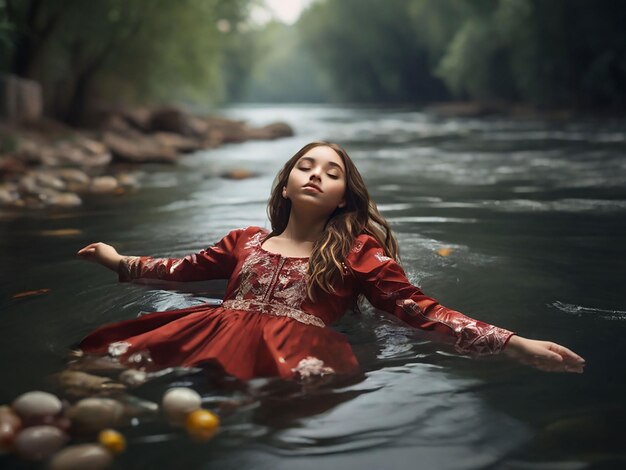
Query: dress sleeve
[216, 262]
[383, 281]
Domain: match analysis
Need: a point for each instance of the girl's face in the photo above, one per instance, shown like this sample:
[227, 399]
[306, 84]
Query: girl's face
[318, 179]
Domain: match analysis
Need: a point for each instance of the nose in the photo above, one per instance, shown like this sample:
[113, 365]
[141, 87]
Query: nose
[316, 173]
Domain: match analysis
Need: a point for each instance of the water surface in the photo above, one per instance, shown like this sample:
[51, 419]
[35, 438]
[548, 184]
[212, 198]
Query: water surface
[534, 214]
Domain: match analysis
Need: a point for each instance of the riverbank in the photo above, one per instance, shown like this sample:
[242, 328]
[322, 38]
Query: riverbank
[47, 164]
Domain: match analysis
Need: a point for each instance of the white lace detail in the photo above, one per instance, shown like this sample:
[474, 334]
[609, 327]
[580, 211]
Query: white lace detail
[296, 273]
[310, 366]
[381, 257]
[255, 240]
[276, 309]
[118, 348]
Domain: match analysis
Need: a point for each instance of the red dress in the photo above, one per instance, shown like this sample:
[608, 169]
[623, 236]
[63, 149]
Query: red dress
[266, 325]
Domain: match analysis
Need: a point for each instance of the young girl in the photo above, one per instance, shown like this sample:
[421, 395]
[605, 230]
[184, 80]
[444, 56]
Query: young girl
[328, 245]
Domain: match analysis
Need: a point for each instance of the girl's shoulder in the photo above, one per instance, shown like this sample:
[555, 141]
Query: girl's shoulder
[362, 241]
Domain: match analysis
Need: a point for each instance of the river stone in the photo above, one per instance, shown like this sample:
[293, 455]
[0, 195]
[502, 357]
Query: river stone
[39, 442]
[178, 403]
[95, 414]
[64, 200]
[37, 404]
[82, 456]
[103, 184]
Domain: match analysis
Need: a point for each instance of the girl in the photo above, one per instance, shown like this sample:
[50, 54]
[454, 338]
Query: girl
[328, 245]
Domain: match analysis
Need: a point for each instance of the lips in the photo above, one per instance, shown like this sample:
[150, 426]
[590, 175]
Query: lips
[311, 185]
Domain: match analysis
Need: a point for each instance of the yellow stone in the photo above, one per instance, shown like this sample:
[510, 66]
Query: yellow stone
[202, 424]
[112, 440]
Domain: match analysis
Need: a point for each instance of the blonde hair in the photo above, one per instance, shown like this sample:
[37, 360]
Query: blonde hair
[359, 216]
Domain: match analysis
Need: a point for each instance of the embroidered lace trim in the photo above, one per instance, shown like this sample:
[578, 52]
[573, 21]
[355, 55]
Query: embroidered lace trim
[472, 336]
[310, 366]
[275, 308]
[129, 267]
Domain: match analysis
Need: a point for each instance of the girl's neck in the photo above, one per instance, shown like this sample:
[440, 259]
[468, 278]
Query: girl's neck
[303, 228]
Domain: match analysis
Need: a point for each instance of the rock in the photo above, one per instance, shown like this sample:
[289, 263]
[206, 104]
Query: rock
[8, 194]
[10, 424]
[11, 165]
[177, 142]
[178, 402]
[198, 126]
[126, 180]
[64, 200]
[36, 404]
[103, 184]
[171, 119]
[272, 131]
[82, 384]
[95, 414]
[138, 148]
[75, 179]
[139, 118]
[82, 456]
[133, 377]
[39, 442]
[46, 180]
[230, 129]
[238, 174]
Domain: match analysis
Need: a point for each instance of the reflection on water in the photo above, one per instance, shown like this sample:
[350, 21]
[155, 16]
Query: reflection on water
[530, 215]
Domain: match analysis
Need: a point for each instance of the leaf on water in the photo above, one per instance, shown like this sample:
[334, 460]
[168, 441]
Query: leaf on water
[444, 251]
[61, 232]
[29, 293]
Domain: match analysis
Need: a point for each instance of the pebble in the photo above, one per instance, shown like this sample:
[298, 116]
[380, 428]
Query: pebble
[82, 456]
[10, 424]
[202, 424]
[112, 440]
[178, 403]
[95, 414]
[36, 404]
[103, 184]
[39, 442]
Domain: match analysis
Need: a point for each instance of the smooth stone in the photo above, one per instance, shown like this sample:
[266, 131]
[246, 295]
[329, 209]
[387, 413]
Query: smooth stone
[103, 184]
[178, 403]
[64, 200]
[36, 404]
[133, 377]
[82, 456]
[47, 180]
[10, 424]
[39, 442]
[238, 174]
[95, 414]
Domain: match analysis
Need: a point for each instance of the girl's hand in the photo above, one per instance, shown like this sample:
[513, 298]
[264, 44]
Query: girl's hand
[101, 253]
[544, 355]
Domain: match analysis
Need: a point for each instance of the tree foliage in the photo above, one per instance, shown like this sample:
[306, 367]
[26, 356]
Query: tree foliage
[115, 50]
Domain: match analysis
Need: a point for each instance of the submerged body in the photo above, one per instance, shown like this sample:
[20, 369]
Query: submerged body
[267, 326]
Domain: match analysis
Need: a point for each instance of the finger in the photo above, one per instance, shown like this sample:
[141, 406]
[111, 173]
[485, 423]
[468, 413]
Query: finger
[567, 353]
[91, 245]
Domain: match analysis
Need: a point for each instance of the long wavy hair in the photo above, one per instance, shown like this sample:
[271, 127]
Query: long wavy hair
[359, 216]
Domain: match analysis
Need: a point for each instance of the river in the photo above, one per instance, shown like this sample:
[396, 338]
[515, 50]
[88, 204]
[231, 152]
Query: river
[533, 214]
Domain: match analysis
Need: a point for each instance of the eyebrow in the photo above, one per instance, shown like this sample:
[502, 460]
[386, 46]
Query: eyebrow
[312, 160]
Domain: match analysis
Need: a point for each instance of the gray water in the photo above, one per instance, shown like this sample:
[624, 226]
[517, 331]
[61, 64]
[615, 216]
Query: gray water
[534, 214]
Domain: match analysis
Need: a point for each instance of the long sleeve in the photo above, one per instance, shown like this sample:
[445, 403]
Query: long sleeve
[383, 281]
[216, 262]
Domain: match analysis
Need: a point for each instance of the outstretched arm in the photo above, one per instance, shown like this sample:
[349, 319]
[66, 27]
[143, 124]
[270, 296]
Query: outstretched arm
[216, 262]
[385, 285]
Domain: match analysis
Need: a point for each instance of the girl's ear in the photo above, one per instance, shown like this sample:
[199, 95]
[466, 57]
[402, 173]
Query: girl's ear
[342, 204]
[285, 192]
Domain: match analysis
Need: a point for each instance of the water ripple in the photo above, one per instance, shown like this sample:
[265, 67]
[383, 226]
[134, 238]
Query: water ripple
[581, 311]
